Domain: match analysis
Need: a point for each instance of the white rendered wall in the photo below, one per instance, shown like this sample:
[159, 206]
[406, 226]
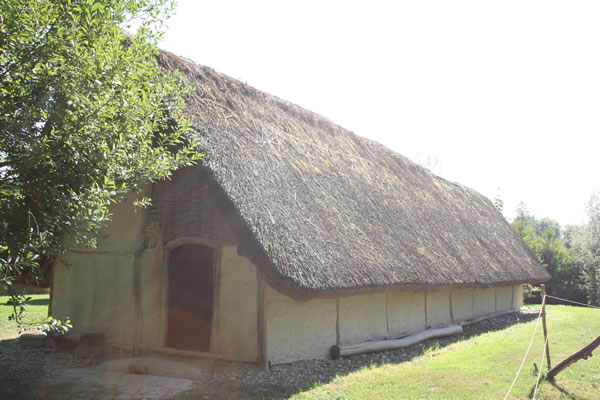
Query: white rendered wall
[438, 308]
[153, 305]
[406, 312]
[362, 318]
[518, 297]
[485, 301]
[236, 320]
[96, 292]
[94, 287]
[298, 330]
[462, 304]
[504, 298]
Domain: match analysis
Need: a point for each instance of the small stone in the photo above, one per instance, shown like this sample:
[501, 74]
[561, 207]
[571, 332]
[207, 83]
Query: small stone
[32, 340]
[137, 369]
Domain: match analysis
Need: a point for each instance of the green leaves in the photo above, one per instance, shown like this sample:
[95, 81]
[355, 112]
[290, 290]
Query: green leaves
[86, 116]
[553, 247]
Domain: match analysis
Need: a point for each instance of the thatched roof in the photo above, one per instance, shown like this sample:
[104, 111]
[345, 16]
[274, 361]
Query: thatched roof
[326, 211]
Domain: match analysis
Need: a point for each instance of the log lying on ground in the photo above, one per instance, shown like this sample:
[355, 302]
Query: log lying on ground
[583, 353]
[391, 344]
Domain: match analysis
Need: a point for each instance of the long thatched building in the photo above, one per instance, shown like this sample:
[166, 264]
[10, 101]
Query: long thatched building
[293, 235]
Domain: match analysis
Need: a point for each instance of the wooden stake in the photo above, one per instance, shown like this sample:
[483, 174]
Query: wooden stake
[583, 353]
[544, 325]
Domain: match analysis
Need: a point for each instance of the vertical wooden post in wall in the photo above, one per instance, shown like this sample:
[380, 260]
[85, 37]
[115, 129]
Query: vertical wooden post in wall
[544, 325]
[137, 300]
[263, 359]
[52, 268]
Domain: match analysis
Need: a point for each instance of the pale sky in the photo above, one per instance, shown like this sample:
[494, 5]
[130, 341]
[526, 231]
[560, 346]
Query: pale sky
[503, 94]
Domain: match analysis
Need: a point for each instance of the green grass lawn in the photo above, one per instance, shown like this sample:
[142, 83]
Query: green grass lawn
[37, 310]
[484, 366]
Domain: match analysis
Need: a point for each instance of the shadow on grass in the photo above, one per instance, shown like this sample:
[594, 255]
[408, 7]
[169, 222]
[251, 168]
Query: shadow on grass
[289, 379]
[38, 302]
[568, 394]
[32, 302]
[565, 392]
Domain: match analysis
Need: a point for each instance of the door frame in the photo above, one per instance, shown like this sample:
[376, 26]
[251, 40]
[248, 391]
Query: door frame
[216, 261]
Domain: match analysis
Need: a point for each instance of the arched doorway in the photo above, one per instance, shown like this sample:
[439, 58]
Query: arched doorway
[190, 297]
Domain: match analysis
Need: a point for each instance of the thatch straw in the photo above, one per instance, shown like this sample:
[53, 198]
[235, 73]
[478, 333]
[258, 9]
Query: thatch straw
[325, 212]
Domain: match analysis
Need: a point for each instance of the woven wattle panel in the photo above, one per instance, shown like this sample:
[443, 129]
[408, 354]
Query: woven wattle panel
[190, 204]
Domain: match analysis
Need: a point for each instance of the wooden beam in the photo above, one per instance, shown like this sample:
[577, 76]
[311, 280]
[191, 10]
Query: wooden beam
[583, 353]
[137, 300]
[451, 310]
[337, 321]
[216, 283]
[545, 328]
[263, 358]
[381, 345]
[52, 269]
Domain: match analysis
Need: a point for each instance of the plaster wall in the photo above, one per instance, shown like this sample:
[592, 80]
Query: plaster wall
[236, 319]
[504, 298]
[298, 330]
[152, 304]
[406, 312]
[518, 297]
[95, 292]
[485, 301]
[94, 287]
[362, 318]
[438, 308]
[462, 304]
[123, 232]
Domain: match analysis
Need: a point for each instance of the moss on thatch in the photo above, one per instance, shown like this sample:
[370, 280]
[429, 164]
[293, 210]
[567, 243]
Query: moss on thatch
[325, 211]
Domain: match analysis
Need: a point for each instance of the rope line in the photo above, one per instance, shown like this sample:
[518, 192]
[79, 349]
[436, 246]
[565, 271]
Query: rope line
[537, 322]
[537, 383]
[571, 301]
[541, 369]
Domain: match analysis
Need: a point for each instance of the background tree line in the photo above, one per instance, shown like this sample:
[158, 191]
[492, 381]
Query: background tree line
[571, 253]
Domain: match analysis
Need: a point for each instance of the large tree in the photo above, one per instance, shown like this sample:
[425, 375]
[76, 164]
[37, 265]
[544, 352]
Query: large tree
[86, 116]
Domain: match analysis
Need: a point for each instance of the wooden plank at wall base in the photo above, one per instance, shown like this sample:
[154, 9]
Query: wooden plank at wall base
[263, 358]
[381, 345]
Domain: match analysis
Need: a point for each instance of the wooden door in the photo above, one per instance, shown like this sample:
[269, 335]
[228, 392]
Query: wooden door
[190, 297]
